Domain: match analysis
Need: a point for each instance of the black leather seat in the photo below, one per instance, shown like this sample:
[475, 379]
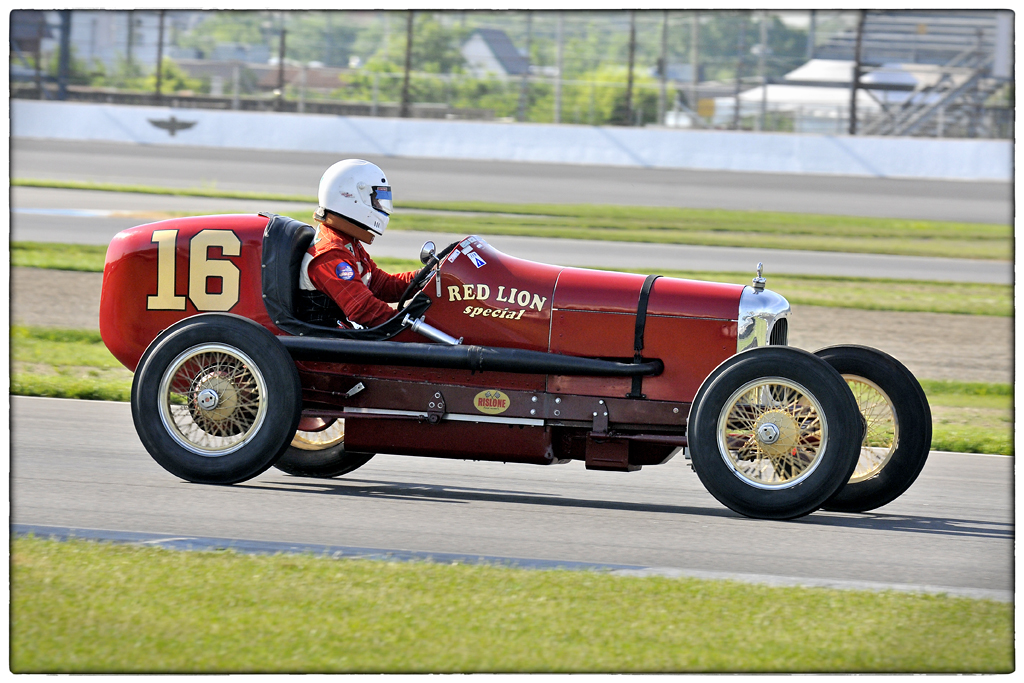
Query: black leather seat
[285, 241]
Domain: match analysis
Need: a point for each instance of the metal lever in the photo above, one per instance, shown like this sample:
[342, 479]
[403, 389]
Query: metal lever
[419, 326]
[354, 390]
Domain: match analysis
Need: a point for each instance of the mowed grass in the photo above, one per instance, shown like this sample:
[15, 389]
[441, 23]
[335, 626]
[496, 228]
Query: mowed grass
[723, 228]
[971, 417]
[966, 417]
[671, 225]
[862, 293]
[78, 257]
[88, 607]
[61, 363]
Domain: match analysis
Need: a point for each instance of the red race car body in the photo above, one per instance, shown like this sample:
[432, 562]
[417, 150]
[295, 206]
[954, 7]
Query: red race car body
[491, 357]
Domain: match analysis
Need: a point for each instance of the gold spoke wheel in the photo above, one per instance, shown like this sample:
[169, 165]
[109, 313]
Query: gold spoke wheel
[212, 399]
[882, 432]
[318, 440]
[772, 433]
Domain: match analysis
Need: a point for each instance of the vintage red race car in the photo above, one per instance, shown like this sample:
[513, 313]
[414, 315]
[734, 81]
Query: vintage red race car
[491, 357]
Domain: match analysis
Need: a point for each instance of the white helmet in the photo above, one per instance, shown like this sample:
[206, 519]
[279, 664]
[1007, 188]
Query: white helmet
[358, 191]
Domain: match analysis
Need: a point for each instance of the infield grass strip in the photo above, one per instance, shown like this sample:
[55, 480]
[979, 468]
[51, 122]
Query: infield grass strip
[79, 257]
[60, 363]
[862, 293]
[88, 607]
[757, 229]
[212, 191]
[971, 417]
[670, 225]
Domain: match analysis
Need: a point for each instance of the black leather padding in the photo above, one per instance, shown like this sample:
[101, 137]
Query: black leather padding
[285, 241]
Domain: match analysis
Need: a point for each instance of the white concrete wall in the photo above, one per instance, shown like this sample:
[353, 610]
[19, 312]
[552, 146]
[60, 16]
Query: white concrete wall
[650, 148]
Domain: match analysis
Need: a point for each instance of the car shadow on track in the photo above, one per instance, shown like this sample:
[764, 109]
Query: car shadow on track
[380, 489]
[457, 494]
[944, 526]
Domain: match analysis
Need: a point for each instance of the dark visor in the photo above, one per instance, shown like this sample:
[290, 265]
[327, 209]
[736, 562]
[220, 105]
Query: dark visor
[380, 199]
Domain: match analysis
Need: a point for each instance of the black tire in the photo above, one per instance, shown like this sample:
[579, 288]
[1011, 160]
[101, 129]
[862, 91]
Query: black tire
[774, 432]
[322, 458]
[216, 399]
[899, 427]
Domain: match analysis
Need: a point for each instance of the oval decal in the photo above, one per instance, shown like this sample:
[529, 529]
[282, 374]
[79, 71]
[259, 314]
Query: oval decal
[491, 402]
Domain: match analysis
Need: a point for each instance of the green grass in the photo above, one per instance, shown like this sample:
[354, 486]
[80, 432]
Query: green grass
[948, 387]
[58, 346]
[61, 363]
[971, 417]
[149, 189]
[90, 607]
[860, 293]
[762, 229]
[80, 257]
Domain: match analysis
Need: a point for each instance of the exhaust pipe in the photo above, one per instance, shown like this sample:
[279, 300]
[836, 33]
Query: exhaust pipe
[475, 358]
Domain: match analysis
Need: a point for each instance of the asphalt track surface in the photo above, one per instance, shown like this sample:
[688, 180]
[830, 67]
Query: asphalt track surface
[79, 465]
[952, 532]
[455, 180]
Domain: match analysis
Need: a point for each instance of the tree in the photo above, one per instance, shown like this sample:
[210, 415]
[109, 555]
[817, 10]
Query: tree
[79, 71]
[605, 96]
[436, 47]
[174, 79]
[243, 28]
[327, 37]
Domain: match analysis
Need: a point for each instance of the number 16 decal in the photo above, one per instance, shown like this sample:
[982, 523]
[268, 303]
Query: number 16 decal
[200, 269]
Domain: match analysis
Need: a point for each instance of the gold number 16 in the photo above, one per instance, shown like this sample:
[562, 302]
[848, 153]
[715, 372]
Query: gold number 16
[200, 269]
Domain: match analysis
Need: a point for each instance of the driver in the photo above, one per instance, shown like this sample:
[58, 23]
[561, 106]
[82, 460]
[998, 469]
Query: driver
[339, 283]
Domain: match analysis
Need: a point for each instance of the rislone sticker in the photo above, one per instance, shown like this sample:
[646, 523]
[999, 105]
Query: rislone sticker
[491, 402]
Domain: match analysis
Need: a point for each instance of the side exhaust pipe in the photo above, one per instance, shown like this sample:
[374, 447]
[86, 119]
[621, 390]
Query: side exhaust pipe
[476, 358]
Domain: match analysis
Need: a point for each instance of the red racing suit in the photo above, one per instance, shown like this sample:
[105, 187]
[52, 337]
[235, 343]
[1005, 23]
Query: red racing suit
[337, 265]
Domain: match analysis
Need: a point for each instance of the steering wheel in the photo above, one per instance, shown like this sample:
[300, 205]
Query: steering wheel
[416, 284]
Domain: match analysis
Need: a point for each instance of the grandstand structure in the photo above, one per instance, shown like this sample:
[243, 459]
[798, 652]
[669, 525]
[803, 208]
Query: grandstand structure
[961, 62]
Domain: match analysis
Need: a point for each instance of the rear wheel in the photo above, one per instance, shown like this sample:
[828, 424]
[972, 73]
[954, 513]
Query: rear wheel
[898, 430]
[216, 399]
[321, 453]
[774, 433]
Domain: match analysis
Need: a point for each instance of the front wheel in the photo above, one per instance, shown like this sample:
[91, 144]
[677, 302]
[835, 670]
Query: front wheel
[774, 432]
[898, 422]
[321, 453]
[216, 399]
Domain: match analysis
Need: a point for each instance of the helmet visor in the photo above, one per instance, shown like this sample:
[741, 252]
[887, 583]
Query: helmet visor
[380, 199]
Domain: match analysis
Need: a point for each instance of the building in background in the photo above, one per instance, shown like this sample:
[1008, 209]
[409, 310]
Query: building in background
[28, 30]
[490, 52]
[926, 73]
[103, 36]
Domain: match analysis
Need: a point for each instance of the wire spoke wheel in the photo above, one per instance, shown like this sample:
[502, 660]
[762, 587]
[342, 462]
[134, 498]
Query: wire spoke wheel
[321, 453]
[216, 399]
[212, 399]
[881, 433]
[772, 433]
[328, 437]
[897, 424]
